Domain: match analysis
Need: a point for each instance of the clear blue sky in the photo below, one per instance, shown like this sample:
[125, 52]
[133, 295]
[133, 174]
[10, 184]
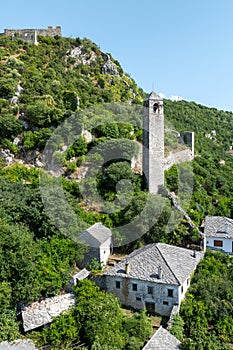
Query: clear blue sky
[181, 47]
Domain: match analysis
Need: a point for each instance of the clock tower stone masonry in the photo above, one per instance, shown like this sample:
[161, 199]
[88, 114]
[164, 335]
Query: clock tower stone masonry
[153, 142]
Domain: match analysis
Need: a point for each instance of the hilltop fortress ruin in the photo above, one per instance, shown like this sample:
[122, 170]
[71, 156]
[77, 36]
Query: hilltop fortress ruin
[30, 35]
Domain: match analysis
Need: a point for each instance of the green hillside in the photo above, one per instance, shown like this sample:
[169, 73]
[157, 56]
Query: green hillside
[53, 75]
[212, 166]
[41, 87]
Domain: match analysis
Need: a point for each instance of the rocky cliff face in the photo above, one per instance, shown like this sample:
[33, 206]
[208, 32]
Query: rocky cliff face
[109, 67]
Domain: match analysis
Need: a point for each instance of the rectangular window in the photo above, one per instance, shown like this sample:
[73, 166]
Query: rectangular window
[118, 284]
[138, 299]
[182, 290]
[135, 287]
[218, 243]
[165, 303]
[170, 293]
[150, 290]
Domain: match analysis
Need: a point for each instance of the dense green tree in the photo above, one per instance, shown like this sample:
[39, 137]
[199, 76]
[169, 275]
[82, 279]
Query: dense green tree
[41, 114]
[138, 329]
[118, 177]
[70, 100]
[55, 260]
[100, 316]
[17, 257]
[207, 310]
[177, 327]
[172, 178]
[7, 88]
[10, 127]
[9, 327]
[62, 333]
[5, 296]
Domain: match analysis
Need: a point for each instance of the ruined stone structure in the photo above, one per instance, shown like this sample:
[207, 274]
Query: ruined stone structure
[188, 139]
[172, 158]
[153, 142]
[30, 35]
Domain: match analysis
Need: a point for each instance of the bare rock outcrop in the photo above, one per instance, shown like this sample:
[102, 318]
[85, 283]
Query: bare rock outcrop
[109, 67]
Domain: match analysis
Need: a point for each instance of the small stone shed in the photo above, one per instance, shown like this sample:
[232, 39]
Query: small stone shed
[98, 238]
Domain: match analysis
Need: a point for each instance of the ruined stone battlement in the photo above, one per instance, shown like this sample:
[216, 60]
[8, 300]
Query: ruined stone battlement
[30, 35]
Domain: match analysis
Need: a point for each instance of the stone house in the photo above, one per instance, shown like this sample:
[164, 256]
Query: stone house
[98, 238]
[155, 277]
[218, 231]
[163, 340]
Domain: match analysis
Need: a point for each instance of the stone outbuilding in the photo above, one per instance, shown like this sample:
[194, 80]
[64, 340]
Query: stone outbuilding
[98, 238]
[81, 275]
[155, 277]
[218, 231]
[163, 340]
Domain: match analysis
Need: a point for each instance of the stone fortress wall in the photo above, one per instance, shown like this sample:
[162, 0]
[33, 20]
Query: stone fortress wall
[30, 35]
[188, 139]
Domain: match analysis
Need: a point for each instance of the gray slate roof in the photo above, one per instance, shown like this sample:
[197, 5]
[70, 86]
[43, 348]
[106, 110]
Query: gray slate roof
[154, 95]
[176, 263]
[163, 340]
[218, 226]
[95, 235]
[81, 275]
[20, 344]
[42, 312]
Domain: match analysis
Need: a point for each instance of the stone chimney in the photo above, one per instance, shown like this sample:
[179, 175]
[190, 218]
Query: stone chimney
[127, 267]
[194, 253]
[160, 273]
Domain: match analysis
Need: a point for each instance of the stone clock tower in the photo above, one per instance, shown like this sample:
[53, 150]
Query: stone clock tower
[153, 142]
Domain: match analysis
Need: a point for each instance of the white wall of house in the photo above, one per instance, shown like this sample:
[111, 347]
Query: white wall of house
[100, 253]
[135, 293]
[183, 289]
[105, 251]
[213, 242]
